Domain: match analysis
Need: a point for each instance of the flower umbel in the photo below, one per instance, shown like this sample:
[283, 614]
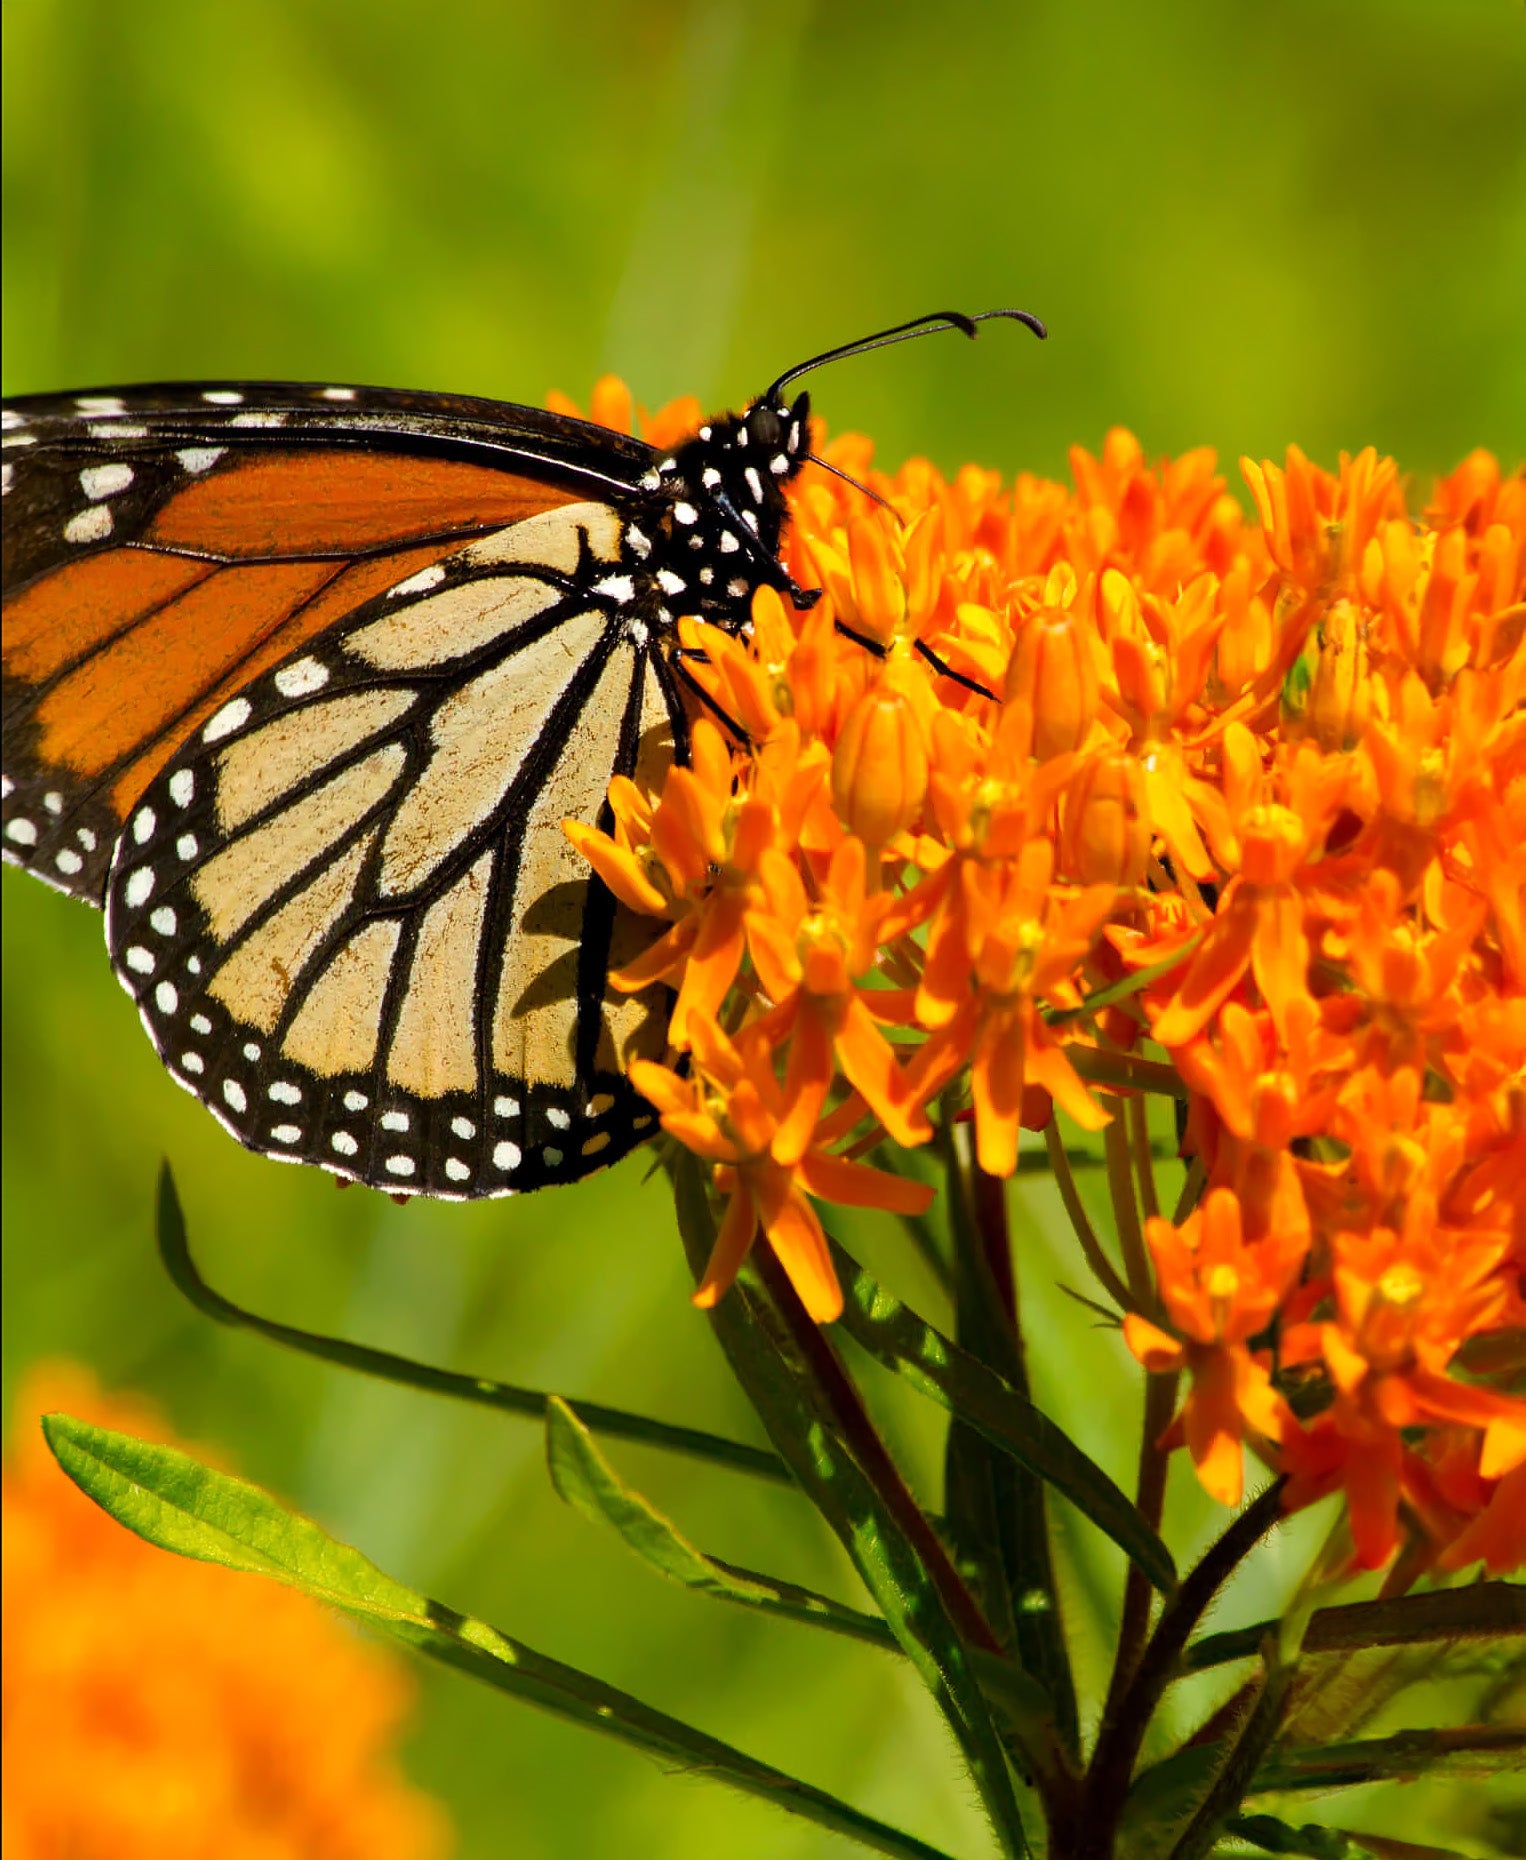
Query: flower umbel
[1263, 783]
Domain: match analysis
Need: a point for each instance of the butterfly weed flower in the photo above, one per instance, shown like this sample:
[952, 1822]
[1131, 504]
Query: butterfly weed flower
[1033, 743]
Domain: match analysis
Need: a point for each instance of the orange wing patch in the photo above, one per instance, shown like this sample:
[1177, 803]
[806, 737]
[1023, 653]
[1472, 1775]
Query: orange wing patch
[335, 501]
[125, 694]
[83, 605]
[350, 589]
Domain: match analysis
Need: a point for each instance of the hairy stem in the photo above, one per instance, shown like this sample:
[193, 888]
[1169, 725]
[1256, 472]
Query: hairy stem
[1128, 1715]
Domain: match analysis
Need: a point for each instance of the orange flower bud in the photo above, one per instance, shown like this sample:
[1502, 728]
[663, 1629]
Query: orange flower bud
[1327, 693]
[1052, 669]
[1107, 822]
[879, 768]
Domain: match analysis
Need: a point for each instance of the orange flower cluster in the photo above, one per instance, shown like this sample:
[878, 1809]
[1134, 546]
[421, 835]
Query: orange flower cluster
[154, 1707]
[1264, 781]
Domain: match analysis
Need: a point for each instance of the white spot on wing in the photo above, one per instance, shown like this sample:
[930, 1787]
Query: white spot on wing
[182, 787]
[100, 403]
[343, 1143]
[283, 1093]
[200, 1024]
[166, 999]
[507, 1156]
[426, 578]
[143, 824]
[197, 459]
[222, 397]
[163, 920]
[355, 1101]
[265, 417]
[506, 1107]
[339, 393]
[298, 680]
[186, 847]
[463, 1127]
[394, 1120]
[98, 481]
[139, 960]
[89, 525]
[399, 1165]
[234, 1096]
[68, 861]
[457, 1170]
[233, 716]
[192, 1062]
[139, 887]
[286, 1133]
[558, 1119]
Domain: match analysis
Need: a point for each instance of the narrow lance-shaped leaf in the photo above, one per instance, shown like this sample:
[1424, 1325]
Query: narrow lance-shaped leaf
[386, 1366]
[769, 1359]
[172, 1500]
[935, 1366]
[587, 1481]
[584, 1477]
[1482, 1611]
[1472, 1750]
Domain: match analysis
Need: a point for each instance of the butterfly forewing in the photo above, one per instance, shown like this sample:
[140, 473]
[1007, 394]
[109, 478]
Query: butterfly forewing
[165, 545]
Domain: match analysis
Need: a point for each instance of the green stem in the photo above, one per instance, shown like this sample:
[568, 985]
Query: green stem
[1128, 1715]
[1120, 1181]
[506, 1397]
[1091, 1247]
[863, 1441]
[1144, 1161]
[1134, 1621]
[1236, 1774]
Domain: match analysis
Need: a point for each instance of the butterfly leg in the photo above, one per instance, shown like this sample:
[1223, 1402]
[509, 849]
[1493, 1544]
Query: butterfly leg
[680, 658]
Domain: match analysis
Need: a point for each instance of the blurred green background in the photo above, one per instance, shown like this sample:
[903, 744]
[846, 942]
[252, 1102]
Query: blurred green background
[1246, 226]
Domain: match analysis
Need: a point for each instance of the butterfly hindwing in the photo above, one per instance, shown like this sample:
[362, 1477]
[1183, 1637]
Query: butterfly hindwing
[346, 908]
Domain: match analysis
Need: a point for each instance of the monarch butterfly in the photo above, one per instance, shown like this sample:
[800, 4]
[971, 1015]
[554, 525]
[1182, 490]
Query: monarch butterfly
[299, 683]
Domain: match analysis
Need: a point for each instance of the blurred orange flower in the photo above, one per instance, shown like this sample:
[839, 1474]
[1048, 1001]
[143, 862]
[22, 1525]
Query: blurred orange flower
[158, 1708]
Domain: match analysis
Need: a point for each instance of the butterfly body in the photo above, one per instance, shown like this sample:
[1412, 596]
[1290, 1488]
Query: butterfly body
[300, 683]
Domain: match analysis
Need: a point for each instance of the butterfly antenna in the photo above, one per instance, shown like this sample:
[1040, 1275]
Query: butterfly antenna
[815, 458]
[906, 332]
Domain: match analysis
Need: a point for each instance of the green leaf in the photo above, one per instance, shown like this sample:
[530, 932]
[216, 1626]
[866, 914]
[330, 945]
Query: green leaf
[587, 1481]
[174, 1501]
[800, 1391]
[175, 1252]
[1481, 1611]
[1281, 1837]
[1472, 1751]
[996, 1507]
[936, 1367]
